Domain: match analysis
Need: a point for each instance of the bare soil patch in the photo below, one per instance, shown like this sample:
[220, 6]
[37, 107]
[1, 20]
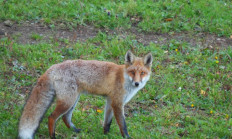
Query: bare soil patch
[194, 39]
[22, 33]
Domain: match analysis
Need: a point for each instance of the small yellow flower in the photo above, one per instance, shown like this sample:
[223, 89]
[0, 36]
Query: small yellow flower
[188, 116]
[227, 116]
[217, 61]
[192, 105]
[99, 111]
[176, 50]
[186, 63]
[156, 106]
[202, 92]
[216, 57]
[211, 112]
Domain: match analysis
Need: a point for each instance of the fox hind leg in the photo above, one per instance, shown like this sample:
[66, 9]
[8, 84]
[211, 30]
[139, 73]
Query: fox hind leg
[62, 107]
[67, 118]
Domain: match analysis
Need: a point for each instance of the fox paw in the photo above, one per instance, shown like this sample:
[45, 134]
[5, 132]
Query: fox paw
[76, 130]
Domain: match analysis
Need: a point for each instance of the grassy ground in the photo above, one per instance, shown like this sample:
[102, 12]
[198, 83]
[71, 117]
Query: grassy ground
[161, 15]
[189, 94]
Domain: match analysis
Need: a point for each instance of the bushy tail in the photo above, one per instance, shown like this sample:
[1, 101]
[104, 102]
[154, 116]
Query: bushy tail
[37, 104]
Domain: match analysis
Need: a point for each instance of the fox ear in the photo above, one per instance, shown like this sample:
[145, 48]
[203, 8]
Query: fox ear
[148, 60]
[129, 57]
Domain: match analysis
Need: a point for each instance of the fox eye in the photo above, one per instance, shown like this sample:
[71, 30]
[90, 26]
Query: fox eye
[132, 72]
[142, 73]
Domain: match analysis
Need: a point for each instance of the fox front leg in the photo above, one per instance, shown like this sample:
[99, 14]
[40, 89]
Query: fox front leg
[108, 116]
[119, 116]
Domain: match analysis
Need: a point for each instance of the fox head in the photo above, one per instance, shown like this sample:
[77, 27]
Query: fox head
[138, 69]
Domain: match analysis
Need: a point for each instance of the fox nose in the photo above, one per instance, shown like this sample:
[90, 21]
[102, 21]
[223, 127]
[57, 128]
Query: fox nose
[136, 84]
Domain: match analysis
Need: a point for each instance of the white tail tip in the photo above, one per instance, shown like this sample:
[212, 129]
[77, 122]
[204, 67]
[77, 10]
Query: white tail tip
[26, 134]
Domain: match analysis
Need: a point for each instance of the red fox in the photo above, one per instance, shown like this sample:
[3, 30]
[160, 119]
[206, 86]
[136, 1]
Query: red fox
[67, 80]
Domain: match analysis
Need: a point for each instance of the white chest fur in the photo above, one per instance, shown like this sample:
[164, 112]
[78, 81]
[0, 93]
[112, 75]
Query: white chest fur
[131, 90]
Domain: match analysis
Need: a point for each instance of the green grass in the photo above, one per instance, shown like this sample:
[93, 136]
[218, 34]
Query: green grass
[214, 16]
[189, 93]
[35, 36]
[163, 109]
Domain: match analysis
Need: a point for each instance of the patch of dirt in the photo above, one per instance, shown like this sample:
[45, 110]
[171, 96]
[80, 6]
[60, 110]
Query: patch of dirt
[194, 39]
[23, 34]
